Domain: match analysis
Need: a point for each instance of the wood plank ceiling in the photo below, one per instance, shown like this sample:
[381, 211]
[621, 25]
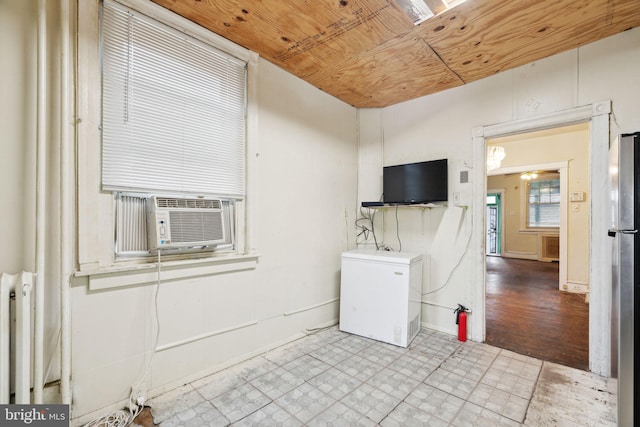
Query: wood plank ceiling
[369, 54]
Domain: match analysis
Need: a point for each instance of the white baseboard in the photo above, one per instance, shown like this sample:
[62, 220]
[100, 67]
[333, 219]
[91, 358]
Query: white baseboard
[448, 331]
[521, 255]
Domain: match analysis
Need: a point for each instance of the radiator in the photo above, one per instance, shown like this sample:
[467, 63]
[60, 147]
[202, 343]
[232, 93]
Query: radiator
[550, 247]
[19, 285]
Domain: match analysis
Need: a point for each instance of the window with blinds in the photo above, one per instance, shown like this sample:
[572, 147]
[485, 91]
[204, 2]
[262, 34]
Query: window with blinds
[173, 110]
[543, 203]
[173, 121]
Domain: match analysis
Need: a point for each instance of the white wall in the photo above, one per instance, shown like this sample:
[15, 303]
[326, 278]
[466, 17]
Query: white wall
[305, 186]
[18, 115]
[440, 125]
[303, 189]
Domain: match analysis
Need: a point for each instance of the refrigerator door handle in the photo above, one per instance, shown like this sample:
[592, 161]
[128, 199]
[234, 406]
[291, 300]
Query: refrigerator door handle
[612, 231]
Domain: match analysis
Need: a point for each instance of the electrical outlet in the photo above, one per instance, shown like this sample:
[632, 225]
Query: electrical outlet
[138, 396]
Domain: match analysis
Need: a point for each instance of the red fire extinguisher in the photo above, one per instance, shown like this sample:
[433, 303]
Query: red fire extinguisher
[461, 321]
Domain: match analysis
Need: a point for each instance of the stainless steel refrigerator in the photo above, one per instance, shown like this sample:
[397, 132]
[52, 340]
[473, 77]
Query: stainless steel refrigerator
[625, 297]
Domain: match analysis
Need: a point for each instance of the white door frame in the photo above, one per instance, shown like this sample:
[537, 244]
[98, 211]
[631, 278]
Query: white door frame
[597, 115]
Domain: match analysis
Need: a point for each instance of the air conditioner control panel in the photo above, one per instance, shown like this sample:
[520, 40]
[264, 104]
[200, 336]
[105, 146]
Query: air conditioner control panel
[163, 235]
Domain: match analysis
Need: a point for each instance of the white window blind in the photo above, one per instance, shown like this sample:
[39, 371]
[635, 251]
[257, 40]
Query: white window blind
[174, 109]
[544, 203]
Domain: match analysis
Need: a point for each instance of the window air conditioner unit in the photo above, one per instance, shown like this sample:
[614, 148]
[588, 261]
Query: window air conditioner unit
[174, 223]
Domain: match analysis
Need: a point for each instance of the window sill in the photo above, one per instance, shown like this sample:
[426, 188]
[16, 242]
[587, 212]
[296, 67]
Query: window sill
[540, 230]
[142, 274]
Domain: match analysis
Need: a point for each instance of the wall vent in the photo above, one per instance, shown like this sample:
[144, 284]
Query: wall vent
[414, 328]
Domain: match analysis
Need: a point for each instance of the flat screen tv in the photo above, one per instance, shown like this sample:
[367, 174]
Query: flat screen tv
[415, 183]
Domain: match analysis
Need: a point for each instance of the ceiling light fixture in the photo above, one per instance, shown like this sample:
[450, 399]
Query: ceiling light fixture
[528, 176]
[416, 10]
[495, 155]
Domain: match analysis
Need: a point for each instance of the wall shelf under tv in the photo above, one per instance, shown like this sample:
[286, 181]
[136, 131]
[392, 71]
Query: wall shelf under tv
[379, 205]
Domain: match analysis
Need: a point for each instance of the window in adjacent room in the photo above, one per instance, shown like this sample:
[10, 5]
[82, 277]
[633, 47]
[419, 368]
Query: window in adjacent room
[543, 202]
[173, 122]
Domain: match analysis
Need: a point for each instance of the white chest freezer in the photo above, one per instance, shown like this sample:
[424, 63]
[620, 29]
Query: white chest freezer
[380, 295]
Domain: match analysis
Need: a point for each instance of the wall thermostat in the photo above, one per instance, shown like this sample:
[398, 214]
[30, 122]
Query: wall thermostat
[576, 196]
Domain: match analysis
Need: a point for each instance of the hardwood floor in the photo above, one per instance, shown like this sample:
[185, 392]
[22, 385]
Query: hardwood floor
[527, 314]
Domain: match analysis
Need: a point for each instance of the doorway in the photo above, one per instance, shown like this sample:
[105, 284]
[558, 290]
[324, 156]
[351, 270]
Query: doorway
[523, 292]
[494, 223]
[597, 115]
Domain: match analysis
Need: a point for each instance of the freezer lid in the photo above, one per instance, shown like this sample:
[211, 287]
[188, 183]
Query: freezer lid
[383, 256]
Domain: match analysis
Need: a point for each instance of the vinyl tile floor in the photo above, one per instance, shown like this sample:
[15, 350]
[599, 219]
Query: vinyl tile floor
[332, 378]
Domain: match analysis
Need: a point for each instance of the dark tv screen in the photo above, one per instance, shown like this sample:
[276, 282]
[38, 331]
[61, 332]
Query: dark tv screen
[413, 183]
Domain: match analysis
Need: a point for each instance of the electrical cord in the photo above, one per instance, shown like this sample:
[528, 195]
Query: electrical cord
[116, 418]
[373, 229]
[119, 417]
[364, 230]
[157, 337]
[364, 216]
[455, 267]
[398, 230]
